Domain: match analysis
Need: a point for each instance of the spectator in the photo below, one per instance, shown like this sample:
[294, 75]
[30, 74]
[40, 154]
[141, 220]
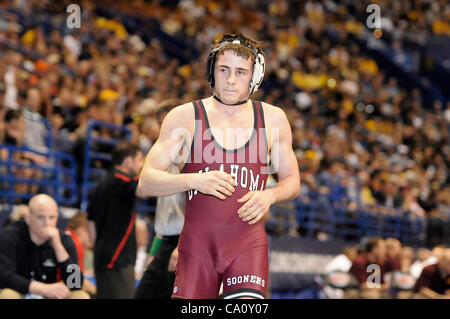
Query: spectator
[401, 281]
[38, 238]
[112, 224]
[373, 256]
[14, 135]
[434, 281]
[14, 128]
[423, 254]
[340, 264]
[77, 229]
[392, 261]
[411, 204]
[407, 257]
[435, 230]
[36, 132]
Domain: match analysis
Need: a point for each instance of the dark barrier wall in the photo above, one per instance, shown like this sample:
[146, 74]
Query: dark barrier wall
[295, 262]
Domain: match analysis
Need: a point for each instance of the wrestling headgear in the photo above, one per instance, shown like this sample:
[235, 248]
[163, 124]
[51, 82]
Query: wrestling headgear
[258, 65]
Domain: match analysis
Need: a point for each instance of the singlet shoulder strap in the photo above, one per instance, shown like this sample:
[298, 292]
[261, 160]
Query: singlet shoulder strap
[261, 114]
[195, 104]
[262, 130]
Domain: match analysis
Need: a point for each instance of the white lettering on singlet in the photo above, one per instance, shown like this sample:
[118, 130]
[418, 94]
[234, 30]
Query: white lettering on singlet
[236, 280]
[245, 177]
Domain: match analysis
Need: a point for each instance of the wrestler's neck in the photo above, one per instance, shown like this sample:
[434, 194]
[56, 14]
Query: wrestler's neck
[229, 108]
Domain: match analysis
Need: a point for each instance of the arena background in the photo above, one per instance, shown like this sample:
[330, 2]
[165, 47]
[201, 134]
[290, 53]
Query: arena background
[365, 90]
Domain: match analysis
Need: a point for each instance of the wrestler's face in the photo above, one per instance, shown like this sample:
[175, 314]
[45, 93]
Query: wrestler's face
[232, 75]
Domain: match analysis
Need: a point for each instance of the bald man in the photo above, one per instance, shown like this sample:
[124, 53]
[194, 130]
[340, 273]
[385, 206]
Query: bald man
[38, 260]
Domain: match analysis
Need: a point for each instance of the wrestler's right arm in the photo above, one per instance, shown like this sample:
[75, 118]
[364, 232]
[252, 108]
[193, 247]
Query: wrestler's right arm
[176, 133]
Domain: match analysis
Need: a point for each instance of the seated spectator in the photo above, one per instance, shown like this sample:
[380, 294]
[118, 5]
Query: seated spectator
[36, 132]
[401, 281]
[341, 265]
[423, 255]
[368, 268]
[436, 255]
[77, 229]
[410, 202]
[14, 135]
[38, 238]
[407, 257]
[391, 193]
[435, 228]
[393, 255]
[343, 261]
[434, 281]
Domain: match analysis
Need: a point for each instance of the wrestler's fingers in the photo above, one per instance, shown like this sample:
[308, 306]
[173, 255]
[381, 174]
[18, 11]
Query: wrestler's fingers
[218, 195]
[249, 213]
[227, 178]
[257, 218]
[224, 190]
[245, 198]
[246, 206]
[227, 185]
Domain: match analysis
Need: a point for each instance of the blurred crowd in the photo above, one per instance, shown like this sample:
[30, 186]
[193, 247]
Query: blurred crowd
[384, 268]
[356, 132]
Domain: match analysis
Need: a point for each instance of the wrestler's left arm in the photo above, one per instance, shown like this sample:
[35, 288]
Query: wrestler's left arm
[284, 164]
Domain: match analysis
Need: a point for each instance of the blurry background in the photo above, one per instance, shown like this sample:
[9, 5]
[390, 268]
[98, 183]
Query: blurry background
[370, 111]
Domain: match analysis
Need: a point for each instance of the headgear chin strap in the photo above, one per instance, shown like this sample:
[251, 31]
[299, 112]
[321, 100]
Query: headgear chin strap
[237, 103]
[258, 65]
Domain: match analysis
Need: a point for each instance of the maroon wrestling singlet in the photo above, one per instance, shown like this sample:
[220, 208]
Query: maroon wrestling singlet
[216, 246]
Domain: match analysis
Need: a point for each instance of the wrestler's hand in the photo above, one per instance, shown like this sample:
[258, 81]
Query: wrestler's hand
[216, 183]
[257, 204]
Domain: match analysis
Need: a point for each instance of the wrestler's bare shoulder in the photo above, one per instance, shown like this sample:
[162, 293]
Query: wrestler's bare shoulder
[182, 116]
[274, 115]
